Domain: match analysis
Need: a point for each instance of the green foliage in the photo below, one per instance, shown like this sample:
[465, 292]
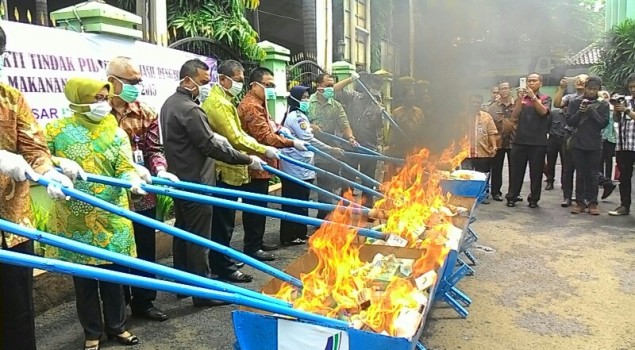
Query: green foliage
[617, 60]
[221, 20]
[380, 13]
[274, 180]
[41, 223]
[165, 208]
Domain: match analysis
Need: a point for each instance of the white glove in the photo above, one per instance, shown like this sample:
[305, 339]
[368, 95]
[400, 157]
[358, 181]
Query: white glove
[300, 145]
[354, 76]
[143, 173]
[71, 169]
[56, 179]
[256, 163]
[271, 152]
[135, 186]
[14, 166]
[223, 140]
[168, 176]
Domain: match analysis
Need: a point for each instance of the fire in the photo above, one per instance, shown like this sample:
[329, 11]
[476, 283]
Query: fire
[345, 287]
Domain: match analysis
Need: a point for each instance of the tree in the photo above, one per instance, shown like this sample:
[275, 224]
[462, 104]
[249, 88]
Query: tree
[221, 20]
[617, 60]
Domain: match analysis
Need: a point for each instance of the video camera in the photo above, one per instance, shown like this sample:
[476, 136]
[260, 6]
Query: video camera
[617, 99]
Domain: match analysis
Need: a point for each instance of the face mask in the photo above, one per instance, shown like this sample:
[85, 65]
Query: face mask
[270, 93]
[235, 89]
[129, 93]
[328, 93]
[98, 111]
[304, 105]
[203, 92]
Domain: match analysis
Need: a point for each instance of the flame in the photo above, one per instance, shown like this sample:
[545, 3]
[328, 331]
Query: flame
[415, 208]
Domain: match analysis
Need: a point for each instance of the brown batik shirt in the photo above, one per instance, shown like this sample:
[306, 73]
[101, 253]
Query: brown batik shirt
[502, 115]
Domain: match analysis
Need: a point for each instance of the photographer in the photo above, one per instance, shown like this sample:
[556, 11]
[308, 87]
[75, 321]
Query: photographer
[589, 115]
[625, 148]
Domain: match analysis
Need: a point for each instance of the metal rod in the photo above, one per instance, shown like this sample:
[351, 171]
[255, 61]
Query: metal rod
[341, 140]
[95, 273]
[323, 154]
[332, 175]
[374, 157]
[194, 187]
[174, 231]
[305, 220]
[138, 264]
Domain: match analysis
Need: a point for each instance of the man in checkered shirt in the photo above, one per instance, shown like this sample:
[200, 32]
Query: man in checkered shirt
[624, 115]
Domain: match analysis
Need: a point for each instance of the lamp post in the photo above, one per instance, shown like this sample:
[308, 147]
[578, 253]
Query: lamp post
[341, 46]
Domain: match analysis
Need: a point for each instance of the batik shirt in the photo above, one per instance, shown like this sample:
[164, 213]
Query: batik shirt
[20, 134]
[99, 148]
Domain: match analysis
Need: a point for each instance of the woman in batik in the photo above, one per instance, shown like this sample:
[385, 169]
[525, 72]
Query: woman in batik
[92, 138]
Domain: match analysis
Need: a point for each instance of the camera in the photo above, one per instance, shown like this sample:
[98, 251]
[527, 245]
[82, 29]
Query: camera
[617, 99]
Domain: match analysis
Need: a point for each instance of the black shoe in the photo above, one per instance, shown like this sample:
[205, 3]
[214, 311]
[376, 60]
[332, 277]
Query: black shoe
[209, 303]
[511, 204]
[549, 186]
[497, 197]
[518, 199]
[533, 205]
[129, 340]
[566, 203]
[237, 277]
[269, 247]
[152, 314]
[239, 264]
[609, 187]
[262, 256]
[297, 241]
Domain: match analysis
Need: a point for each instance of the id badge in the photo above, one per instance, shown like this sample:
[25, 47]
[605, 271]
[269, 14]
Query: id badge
[137, 157]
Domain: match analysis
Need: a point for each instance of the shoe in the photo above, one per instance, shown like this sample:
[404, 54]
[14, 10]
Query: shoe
[566, 203]
[511, 203]
[609, 187]
[269, 247]
[131, 339]
[619, 211]
[262, 256]
[237, 277]
[485, 201]
[209, 303]
[297, 241]
[239, 264]
[549, 186]
[152, 314]
[533, 205]
[578, 208]
[497, 197]
[518, 199]
[91, 347]
[593, 209]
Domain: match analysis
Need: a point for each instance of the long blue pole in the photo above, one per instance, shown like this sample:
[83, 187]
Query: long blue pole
[124, 260]
[194, 187]
[323, 154]
[232, 205]
[174, 231]
[330, 174]
[341, 140]
[374, 157]
[90, 272]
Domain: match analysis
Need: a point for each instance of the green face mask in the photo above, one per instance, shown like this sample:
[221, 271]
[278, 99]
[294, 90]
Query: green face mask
[304, 106]
[328, 93]
[129, 93]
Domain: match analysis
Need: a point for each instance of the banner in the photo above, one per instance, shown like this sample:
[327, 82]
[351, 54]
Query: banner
[39, 61]
[297, 335]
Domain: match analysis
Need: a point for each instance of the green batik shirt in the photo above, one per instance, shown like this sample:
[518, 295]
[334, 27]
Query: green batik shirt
[100, 148]
[329, 116]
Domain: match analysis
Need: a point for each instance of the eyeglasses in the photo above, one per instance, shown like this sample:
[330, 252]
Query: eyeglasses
[128, 81]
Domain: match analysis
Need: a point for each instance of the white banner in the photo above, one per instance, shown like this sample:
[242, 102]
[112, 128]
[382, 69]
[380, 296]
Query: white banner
[40, 60]
[296, 335]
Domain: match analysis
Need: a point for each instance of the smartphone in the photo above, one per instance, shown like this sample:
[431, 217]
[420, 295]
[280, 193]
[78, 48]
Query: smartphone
[522, 83]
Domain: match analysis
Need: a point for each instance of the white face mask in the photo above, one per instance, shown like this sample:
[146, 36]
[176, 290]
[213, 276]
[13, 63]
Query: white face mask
[203, 92]
[235, 89]
[98, 111]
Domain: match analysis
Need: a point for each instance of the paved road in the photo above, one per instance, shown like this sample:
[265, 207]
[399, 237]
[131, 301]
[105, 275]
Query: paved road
[546, 280]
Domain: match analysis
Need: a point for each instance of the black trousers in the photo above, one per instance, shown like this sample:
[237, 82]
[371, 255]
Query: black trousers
[606, 161]
[554, 148]
[496, 175]
[625, 161]
[327, 183]
[197, 219]
[17, 326]
[586, 179]
[291, 230]
[89, 310]
[521, 155]
[482, 165]
[254, 224]
[366, 167]
[568, 170]
[145, 238]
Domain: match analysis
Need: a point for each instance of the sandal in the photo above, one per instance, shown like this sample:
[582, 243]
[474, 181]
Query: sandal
[131, 339]
[89, 345]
